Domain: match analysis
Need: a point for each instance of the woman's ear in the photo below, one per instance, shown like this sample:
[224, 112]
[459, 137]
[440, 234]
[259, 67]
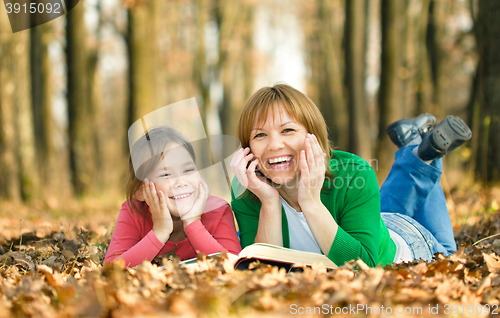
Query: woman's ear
[139, 195]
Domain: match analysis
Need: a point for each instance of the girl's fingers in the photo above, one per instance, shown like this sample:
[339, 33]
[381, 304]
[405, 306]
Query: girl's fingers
[206, 188]
[202, 192]
[170, 204]
[154, 196]
[152, 187]
[163, 202]
[200, 195]
[147, 189]
[146, 192]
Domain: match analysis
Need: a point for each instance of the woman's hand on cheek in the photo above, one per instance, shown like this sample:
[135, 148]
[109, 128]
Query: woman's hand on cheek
[160, 214]
[239, 165]
[312, 173]
[260, 186]
[249, 179]
[198, 206]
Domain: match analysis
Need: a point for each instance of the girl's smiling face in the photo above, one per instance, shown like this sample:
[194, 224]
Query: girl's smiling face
[178, 178]
[277, 144]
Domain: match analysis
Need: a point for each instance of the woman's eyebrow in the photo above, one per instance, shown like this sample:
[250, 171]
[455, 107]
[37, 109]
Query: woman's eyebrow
[288, 122]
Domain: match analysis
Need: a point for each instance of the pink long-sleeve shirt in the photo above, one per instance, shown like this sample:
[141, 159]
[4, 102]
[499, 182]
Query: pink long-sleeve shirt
[134, 241]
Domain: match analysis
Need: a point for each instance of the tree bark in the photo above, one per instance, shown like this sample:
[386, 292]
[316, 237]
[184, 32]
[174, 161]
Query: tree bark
[227, 16]
[488, 162]
[435, 34]
[359, 128]
[9, 168]
[17, 147]
[142, 42]
[24, 121]
[424, 82]
[389, 98]
[82, 157]
[42, 108]
[324, 59]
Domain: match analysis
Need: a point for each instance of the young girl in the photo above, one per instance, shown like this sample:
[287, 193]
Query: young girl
[171, 210]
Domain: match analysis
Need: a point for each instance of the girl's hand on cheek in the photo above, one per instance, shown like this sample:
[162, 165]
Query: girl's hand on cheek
[312, 173]
[198, 206]
[160, 214]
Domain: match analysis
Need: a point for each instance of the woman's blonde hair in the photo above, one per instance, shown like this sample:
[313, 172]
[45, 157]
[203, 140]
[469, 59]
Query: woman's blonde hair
[152, 144]
[298, 105]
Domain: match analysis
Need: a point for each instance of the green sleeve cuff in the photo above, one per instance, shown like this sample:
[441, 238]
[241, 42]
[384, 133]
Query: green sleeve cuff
[346, 248]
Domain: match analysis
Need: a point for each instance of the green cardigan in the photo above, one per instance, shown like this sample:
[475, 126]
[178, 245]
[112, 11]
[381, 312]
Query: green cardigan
[353, 199]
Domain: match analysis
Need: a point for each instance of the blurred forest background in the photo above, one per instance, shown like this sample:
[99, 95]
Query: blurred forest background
[70, 88]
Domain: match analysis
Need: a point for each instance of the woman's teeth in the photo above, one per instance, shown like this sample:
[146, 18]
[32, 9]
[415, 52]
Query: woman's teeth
[280, 160]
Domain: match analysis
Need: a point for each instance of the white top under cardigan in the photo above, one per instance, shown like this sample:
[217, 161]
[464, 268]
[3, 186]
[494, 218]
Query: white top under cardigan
[302, 239]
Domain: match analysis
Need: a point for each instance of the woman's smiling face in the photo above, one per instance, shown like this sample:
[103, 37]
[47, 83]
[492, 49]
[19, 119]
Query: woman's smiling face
[277, 144]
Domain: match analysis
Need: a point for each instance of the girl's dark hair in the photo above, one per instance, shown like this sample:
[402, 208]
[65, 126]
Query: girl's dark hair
[147, 152]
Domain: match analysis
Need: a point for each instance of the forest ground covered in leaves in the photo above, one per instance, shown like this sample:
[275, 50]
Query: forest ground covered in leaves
[51, 266]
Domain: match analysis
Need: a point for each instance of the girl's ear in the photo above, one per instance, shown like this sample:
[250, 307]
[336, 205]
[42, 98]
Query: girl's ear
[139, 195]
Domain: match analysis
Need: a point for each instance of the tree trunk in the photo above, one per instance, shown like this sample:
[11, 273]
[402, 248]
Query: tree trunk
[17, 147]
[247, 59]
[42, 107]
[142, 42]
[200, 72]
[435, 34]
[424, 82]
[24, 120]
[359, 128]
[324, 59]
[82, 157]
[407, 71]
[227, 17]
[488, 162]
[9, 167]
[389, 98]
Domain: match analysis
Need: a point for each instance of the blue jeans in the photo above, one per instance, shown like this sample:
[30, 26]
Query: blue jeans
[413, 189]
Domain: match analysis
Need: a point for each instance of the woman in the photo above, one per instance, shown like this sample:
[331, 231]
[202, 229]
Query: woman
[303, 195]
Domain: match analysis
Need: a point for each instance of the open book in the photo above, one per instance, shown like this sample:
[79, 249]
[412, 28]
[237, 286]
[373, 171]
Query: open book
[273, 255]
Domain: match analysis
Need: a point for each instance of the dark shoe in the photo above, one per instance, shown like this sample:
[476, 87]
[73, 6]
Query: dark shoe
[404, 131]
[446, 136]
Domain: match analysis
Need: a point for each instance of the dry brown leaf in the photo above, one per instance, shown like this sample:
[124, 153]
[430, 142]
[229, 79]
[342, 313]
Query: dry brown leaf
[493, 262]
